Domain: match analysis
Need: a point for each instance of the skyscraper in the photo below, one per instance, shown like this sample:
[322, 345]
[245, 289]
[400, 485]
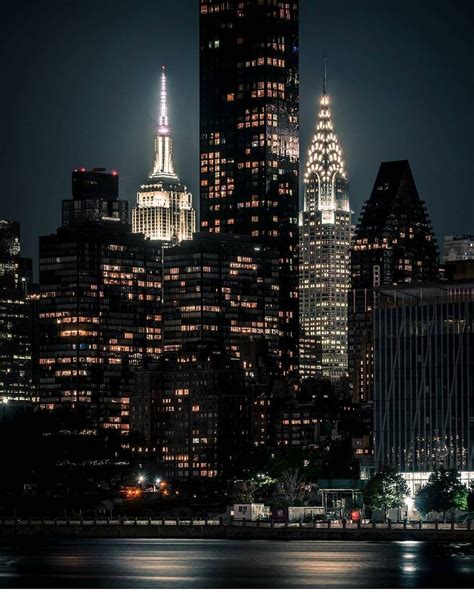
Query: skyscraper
[99, 304]
[393, 244]
[249, 142]
[325, 235]
[164, 209]
[220, 290]
[15, 317]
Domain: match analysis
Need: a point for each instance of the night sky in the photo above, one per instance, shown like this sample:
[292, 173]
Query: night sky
[80, 82]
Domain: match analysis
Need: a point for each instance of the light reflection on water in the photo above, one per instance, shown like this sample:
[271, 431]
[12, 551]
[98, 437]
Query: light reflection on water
[227, 564]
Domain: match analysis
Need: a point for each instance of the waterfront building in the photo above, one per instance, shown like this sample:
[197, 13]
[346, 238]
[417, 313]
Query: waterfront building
[99, 304]
[394, 244]
[221, 290]
[249, 137]
[424, 379]
[325, 240]
[164, 209]
[15, 317]
[192, 413]
[458, 248]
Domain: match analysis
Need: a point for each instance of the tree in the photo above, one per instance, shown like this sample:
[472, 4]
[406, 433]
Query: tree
[386, 490]
[443, 493]
[338, 461]
[291, 487]
[470, 497]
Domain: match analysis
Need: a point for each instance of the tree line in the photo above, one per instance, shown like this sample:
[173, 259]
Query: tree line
[444, 493]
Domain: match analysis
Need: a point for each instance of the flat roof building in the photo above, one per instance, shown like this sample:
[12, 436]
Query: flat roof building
[424, 379]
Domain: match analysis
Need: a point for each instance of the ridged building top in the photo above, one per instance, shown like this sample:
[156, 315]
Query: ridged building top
[163, 166]
[325, 176]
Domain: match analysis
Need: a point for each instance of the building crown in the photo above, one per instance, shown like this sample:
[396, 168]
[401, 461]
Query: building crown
[325, 164]
[163, 166]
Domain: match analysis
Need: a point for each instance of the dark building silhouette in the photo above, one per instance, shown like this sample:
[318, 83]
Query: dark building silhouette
[94, 198]
[393, 244]
[193, 414]
[99, 304]
[221, 290]
[15, 316]
[249, 136]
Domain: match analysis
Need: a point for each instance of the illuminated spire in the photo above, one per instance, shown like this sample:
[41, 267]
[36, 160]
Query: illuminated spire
[163, 166]
[325, 175]
[325, 77]
[163, 121]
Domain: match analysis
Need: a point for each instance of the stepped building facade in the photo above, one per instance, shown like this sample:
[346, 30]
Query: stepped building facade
[394, 244]
[325, 235]
[164, 209]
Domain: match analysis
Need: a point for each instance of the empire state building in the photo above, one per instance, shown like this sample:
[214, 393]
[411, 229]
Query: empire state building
[325, 235]
[164, 209]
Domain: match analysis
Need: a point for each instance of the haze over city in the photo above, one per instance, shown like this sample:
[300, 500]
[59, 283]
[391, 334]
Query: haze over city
[237, 294]
[81, 89]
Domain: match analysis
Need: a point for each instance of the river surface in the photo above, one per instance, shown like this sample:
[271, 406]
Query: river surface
[151, 563]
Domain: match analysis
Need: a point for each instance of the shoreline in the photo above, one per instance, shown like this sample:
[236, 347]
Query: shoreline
[279, 532]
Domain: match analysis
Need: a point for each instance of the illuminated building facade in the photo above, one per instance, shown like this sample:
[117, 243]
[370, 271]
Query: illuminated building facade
[164, 209]
[325, 240]
[220, 289]
[424, 379]
[458, 248]
[99, 305]
[302, 426]
[193, 413]
[15, 317]
[249, 142]
[394, 244]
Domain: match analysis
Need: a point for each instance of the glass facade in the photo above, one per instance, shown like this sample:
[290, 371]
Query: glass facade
[424, 378]
[249, 143]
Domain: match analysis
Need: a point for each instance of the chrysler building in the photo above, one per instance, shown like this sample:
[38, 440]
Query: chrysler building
[325, 238]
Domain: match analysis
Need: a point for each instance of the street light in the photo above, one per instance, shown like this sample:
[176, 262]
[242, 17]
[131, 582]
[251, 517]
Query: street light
[141, 478]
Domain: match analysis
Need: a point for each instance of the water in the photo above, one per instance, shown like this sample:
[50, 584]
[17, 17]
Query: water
[145, 563]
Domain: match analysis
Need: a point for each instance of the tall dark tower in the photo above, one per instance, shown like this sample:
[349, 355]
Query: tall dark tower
[394, 244]
[15, 317]
[249, 139]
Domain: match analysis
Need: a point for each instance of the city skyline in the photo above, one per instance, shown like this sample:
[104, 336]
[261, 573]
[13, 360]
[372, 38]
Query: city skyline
[239, 330]
[379, 100]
